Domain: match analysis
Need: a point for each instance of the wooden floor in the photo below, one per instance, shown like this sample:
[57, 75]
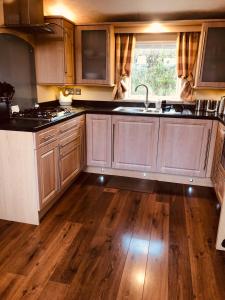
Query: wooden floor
[117, 238]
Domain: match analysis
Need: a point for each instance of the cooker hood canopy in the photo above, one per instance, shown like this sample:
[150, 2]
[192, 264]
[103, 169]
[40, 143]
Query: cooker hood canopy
[25, 15]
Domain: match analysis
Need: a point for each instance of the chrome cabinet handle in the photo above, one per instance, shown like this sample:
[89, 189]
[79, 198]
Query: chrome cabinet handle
[65, 51]
[207, 149]
[59, 168]
[113, 140]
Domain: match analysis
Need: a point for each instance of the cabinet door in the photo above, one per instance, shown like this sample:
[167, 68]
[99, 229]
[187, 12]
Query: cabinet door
[184, 146]
[135, 142]
[54, 54]
[218, 172]
[98, 140]
[211, 59]
[47, 158]
[69, 159]
[95, 55]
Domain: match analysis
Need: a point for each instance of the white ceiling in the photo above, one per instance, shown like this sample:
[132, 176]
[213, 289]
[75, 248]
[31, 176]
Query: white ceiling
[82, 11]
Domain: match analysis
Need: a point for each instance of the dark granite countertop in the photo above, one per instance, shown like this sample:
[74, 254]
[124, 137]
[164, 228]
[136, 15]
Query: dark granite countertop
[101, 108]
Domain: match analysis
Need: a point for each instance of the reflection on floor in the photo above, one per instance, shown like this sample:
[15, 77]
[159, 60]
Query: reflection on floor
[117, 238]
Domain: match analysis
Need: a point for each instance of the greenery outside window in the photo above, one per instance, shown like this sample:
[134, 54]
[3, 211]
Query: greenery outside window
[155, 66]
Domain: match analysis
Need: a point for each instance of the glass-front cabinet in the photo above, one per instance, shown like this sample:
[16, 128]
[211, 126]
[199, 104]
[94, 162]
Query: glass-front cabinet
[211, 59]
[95, 55]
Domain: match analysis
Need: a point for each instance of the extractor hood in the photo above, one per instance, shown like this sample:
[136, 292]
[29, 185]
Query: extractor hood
[25, 15]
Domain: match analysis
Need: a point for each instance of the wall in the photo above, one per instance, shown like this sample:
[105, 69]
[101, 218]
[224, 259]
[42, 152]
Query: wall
[17, 67]
[48, 93]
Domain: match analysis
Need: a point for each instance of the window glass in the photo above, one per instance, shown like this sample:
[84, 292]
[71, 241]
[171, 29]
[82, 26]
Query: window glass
[155, 66]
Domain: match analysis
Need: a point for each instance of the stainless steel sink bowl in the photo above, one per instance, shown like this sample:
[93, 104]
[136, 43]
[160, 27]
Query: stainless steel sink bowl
[137, 110]
[142, 110]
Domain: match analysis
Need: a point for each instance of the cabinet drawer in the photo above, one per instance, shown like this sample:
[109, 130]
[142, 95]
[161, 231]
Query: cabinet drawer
[69, 126]
[69, 145]
[47, 136]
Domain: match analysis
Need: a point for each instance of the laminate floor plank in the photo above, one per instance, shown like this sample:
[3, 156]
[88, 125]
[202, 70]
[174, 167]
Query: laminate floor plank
[9, 284]
[54, 291]
[202, 271]
[131, 184]
[156, 276]
[180, 281]
[133, 278]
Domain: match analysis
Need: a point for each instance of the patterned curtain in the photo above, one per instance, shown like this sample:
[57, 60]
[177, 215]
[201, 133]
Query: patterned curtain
[125, 45]
[187, 50]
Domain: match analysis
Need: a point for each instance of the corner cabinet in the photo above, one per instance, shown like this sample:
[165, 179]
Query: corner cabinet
[184, 146]
[95, 50]
[99, 135]
[135, 141]
[211, 58]
[54, 53]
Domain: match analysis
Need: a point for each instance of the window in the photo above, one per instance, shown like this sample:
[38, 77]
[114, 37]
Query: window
[155, 66]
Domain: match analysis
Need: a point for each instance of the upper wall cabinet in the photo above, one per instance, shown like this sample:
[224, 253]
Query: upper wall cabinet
[211, 60]
[95, 48]
[54, 53]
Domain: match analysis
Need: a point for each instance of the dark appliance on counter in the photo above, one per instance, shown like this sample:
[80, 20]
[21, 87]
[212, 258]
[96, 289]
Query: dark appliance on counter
[6, 94]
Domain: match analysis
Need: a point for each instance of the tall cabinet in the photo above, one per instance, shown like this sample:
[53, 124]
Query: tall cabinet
[54, 53]
[95, 47]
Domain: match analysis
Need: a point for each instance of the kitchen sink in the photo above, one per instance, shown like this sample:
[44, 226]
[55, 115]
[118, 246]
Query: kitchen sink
[137, 110]
[142, 110]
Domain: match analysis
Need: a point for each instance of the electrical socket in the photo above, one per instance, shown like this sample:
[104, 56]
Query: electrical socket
[77, 91]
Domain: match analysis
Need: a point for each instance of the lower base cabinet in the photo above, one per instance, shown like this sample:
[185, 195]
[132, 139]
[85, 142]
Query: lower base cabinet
[184, 146]
[99, 134]
[135, 141]
[60, 156]
[170, 146]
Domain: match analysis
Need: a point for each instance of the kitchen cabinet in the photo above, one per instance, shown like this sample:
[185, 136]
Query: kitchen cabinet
[54, 53]
[218, 172]
[95, 50]
[58, 158]
[47, 157]
[99, 135]
[211, 58]
[183, 147]
[135, 141]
